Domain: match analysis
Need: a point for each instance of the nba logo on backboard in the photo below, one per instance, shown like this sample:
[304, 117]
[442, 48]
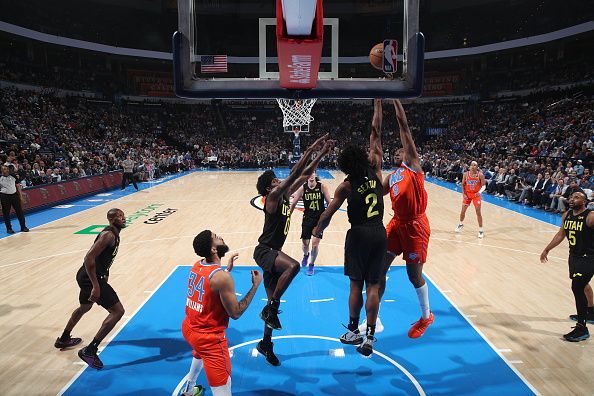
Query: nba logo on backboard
[390, 51]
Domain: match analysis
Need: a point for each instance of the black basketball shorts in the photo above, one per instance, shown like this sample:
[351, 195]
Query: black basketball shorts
[307, 227]
[581, 266]
[364, 252]
[107, 297]
[265, 257]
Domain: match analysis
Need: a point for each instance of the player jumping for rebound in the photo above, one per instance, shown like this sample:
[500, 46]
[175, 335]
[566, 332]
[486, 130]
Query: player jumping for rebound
[365, 243]
[314, 194]
[473, 184]
[280, 269]
[408, 231]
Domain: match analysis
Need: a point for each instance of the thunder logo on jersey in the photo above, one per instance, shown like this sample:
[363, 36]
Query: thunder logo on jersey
[396, 178]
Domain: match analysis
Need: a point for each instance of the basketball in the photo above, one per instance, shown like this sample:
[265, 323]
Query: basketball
[376, 56]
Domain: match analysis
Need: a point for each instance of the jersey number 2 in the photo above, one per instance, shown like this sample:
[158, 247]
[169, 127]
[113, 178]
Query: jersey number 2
[371, 200]
[194, 286]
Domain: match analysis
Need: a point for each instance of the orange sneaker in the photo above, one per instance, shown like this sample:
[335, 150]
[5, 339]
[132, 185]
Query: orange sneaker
[418, 328]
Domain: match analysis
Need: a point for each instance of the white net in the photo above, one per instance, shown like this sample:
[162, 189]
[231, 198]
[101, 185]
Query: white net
[296, 113]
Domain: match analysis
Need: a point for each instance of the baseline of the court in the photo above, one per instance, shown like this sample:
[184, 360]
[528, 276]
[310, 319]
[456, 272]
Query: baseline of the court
[149, 356]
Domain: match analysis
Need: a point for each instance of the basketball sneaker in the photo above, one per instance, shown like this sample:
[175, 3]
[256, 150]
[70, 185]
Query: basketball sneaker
[266, 349]
[197, 390]
[481, 234]
[589, 318]
[304, 260]
[351, 337]
[459, 228]
[379, 327]
[579, 333]
[366, 348]
[310, 270]
[418, 328]
[69, 343]
[269, 315]
[90, 358]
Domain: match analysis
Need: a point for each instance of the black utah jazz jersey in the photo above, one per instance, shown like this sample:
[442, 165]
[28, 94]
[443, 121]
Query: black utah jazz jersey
[313, 201]
[276, 225]
[366, 202]
[579, 235]
[106, 257]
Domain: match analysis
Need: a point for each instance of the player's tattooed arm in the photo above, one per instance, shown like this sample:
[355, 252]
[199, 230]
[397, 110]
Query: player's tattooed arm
[224, 284]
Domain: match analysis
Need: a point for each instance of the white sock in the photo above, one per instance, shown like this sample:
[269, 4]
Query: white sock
[224, 390]
[313, 255]
[460, 224]
[481, 229]
[195, 369]
[423, 296]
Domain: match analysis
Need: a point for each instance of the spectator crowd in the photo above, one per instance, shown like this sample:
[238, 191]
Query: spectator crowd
[534, 151]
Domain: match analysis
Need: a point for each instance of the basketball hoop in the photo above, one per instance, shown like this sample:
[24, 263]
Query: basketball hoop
[296, 113]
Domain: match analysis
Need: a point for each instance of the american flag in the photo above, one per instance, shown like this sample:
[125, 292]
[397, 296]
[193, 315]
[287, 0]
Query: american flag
[213, 63]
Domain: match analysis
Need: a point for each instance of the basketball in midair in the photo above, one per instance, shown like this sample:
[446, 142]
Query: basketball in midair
[376, 56]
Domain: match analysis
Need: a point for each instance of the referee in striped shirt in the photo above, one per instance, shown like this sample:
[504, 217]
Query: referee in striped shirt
[10, 196]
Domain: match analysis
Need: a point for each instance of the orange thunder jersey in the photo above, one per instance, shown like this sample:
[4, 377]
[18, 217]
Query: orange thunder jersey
[473, 184]
[204, 309]
[407, 192]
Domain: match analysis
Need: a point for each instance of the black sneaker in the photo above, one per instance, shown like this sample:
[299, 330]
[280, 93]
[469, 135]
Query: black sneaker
[366, 348]
[589, 318]
[69, 343]
[579, 333]
[90, 358]
[265, 348]
[10, 231]
[351, 337]
[269, 315]
[24, 229]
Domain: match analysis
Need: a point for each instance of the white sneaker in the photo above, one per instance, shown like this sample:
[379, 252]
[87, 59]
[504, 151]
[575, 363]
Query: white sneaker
[379, 327]
[351, 337]
[459, 228]
[481, 234]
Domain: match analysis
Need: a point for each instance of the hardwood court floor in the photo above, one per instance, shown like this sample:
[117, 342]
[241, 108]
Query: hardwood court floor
[520, 305]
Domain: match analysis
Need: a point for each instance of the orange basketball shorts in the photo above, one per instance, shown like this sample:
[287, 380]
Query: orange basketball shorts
[213, 349]
[411, 238]
[476, 199]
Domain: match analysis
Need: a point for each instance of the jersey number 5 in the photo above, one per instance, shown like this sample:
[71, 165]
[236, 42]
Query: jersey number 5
[571, 238]
[371, 200]
[194, 286]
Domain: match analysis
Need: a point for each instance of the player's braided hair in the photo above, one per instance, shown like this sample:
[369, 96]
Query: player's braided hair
[203, 243]
[353, 161]
[264, 181]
